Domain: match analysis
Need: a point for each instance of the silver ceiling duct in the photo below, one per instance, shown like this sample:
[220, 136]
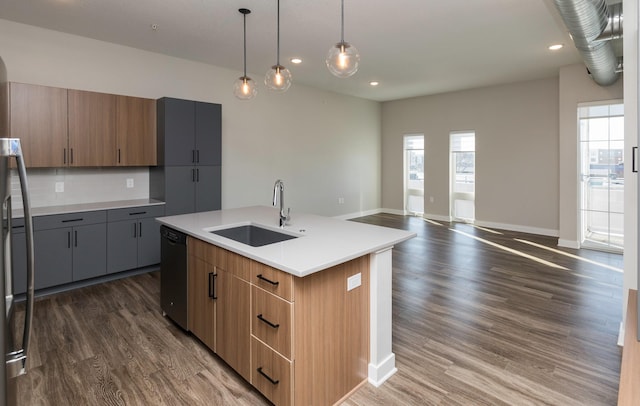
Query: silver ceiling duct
[592, 24]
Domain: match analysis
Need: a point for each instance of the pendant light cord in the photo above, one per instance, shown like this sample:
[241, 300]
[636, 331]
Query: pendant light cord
[245, 45]
[278, 38]
[342, 21]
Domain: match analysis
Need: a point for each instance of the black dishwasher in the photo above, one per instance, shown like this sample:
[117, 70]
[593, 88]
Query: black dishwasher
[173, 275]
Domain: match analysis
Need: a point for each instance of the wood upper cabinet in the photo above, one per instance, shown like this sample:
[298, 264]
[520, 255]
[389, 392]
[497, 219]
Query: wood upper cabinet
[135, 131]
[92, 129]
[38, 116]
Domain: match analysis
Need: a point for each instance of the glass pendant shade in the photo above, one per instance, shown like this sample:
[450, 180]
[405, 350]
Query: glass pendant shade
[278, 78]
[245, 88]
[343, 60]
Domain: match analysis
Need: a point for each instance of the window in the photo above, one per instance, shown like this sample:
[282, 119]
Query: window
[414, 173]
[463, 176]
[601, 204]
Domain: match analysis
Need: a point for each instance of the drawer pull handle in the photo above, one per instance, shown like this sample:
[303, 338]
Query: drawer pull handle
[137, 213]
[275, 382]
[267, 321]
[72, 220]
[276, 283]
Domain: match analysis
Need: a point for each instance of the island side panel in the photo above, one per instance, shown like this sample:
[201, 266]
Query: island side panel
[382, 361]
[331, 339]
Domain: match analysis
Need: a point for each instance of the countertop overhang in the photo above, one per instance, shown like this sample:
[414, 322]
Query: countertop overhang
[323, 241]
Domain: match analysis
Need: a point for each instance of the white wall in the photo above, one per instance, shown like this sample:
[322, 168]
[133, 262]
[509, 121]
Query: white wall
[516, 129]
[630, 280]
[323, 145]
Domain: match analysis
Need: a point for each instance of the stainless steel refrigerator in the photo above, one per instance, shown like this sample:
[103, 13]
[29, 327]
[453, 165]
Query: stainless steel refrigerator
[15, 351]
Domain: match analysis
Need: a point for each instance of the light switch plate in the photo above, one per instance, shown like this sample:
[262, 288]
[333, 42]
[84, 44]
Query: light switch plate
[354, 281]
[129, 182]
[59, 187]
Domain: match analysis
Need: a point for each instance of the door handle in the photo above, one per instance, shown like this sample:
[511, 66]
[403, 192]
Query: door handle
[634, 159]
[17, 360]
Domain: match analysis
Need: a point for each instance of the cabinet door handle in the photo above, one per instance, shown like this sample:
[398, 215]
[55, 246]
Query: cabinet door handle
[267, 321]
[193, 175]
[64, 156]
[68, 239]
[634, 153]
[135, 230]
[193, 156]
[212, 285]
[259, 276]
[140, 230]
[274, 382]
[71, 149]
[197, 156]
[75, 238]
[197, 175]
[118, 155]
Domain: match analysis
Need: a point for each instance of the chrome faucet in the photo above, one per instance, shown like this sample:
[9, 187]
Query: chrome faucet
[279, 185]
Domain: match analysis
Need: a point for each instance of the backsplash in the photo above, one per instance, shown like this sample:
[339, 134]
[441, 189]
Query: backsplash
[62, 186]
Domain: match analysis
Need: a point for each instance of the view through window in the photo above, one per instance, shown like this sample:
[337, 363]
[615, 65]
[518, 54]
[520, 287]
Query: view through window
[414, 173]
[601, 204]
[463, 176]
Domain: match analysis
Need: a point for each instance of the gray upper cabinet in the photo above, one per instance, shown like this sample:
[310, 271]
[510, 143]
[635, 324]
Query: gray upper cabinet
[133, 237]
[189, 132]
[188, 177]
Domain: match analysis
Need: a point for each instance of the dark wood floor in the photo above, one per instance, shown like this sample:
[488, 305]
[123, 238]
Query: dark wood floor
[473, 324]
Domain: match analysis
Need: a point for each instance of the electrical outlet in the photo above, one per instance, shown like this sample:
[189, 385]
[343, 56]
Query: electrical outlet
[59, 187]
[430, 199]
[341, 200]
[354, 281]
[129, 182]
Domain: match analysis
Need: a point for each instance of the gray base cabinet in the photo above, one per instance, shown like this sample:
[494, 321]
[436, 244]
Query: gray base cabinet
[19, 256]
[69, 247]
[133, 238]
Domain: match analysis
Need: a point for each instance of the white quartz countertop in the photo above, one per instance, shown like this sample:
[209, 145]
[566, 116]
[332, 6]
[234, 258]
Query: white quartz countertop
[323, 241]
[82, 207]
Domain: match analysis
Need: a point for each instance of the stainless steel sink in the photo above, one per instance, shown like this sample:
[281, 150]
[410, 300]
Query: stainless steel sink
[253, 235]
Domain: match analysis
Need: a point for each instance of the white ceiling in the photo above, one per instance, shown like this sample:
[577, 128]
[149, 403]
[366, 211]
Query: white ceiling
[412, 47]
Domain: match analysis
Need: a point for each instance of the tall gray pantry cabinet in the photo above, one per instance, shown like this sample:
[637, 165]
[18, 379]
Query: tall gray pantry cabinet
[188, 175]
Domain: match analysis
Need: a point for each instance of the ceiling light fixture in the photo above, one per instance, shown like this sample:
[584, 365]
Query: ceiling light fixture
[374, 83]
[343, 58]
[555, 47]
[278, 78]
[245, 88]
[296, 61]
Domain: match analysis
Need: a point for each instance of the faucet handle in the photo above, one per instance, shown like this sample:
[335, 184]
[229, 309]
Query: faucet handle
[288, 214]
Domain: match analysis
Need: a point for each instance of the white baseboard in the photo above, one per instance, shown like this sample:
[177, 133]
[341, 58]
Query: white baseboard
[621, 335]
[436, 217]
[568, 244]
[378, 374]
[358, 214]
[518, 228]
[394, 211]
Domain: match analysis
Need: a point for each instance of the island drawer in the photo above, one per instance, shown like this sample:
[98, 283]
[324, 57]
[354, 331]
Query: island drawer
[271, 373]
[272, 280]
[272, 320]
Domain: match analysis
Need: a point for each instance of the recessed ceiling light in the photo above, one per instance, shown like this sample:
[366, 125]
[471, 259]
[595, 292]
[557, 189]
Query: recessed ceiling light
[555, 47]
[296, 60]
[374, 83]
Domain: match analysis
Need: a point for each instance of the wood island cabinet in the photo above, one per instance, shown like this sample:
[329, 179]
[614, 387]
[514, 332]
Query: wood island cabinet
[299, 341]
[38, 116]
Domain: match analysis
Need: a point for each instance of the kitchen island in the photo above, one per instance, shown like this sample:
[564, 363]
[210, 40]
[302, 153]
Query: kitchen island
[306, 320]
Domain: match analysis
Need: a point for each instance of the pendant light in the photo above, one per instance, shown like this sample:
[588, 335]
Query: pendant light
[245, 88]
[343, 58]
[278, 78]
